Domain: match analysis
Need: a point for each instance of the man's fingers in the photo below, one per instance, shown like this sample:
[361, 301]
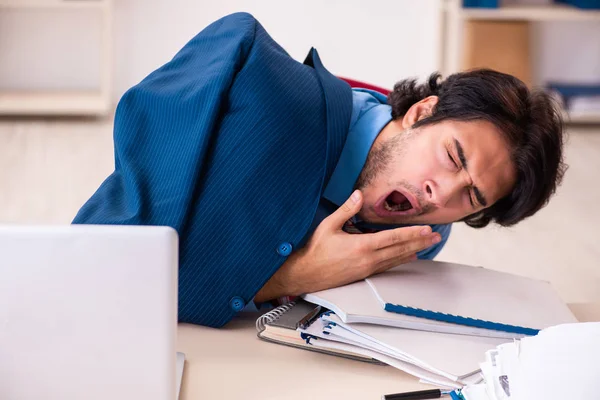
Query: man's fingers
[347, 210]
[396, 236]
[406, 249]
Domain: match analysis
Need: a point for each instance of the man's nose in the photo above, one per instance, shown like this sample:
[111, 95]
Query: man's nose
[441, 194]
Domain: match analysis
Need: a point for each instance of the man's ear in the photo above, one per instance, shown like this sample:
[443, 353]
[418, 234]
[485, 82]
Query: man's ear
[418, 111]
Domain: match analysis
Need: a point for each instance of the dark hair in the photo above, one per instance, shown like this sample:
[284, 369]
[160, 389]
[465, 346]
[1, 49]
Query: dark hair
[530, 120]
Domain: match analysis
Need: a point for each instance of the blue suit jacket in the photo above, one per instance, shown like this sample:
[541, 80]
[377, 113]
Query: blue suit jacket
[231, 143]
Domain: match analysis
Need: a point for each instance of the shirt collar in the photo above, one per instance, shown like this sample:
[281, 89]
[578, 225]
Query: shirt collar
[370, 114]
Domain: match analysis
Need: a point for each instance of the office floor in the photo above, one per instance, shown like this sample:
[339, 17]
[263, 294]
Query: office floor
[48, 169]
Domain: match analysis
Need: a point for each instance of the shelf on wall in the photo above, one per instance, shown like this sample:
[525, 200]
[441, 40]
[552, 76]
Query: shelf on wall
[74, 103]
[64, 102]
[551, 12]
[588, 117]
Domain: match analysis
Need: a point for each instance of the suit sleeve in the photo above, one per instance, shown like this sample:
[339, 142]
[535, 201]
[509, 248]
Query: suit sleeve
[163, 128]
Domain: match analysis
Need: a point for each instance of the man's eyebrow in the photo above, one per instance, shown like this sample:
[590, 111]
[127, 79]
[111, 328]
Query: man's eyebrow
[461, 155]
[463, 161]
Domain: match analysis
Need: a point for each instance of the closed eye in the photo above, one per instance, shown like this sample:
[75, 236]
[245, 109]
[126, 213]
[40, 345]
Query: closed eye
[452, 159]
[470, 192]
[471, 198]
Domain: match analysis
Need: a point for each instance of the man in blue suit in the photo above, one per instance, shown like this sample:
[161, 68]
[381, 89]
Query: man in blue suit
[266, 167]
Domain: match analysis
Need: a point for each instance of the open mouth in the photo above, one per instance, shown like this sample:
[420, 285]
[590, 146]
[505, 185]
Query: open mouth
[397, 204]
[396, 201]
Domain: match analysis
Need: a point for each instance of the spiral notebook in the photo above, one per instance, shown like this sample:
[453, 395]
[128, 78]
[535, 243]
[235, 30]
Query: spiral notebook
[444, 360]
[281, 326]
[430, 319]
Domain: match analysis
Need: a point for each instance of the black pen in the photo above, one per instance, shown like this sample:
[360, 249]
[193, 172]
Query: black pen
[307, 320]
[420, 395]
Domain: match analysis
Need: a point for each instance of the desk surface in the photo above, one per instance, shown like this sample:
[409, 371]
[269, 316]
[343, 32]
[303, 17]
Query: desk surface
[232, 363]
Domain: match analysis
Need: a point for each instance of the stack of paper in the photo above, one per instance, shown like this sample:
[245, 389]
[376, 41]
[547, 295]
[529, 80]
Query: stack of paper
[434, 320]
[446, 360]
[559, 363]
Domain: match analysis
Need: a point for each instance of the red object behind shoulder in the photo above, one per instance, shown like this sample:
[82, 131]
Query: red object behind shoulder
[358, 84]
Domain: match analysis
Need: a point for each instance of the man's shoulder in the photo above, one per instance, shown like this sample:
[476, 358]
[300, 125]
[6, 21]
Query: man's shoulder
[236, 26]
[240, 16]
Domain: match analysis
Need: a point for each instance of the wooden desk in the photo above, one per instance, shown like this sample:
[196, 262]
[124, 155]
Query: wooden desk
[232, 363]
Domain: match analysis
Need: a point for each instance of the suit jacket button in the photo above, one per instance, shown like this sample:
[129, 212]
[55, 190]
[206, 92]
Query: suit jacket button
[237, 303]
[284, 249]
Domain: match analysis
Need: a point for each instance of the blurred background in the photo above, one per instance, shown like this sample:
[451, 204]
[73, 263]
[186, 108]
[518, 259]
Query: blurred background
[65, 64]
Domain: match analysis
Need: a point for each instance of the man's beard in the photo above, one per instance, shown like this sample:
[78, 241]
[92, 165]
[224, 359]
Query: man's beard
[379, 163]
[380, 158]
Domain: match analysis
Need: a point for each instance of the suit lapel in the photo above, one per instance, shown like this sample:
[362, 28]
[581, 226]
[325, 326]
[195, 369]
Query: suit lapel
[338, 105]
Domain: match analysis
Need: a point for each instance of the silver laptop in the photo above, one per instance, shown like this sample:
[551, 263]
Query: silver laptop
[88, 312]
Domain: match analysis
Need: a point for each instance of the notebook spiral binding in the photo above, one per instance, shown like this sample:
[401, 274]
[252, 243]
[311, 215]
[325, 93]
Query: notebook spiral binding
[273, 315]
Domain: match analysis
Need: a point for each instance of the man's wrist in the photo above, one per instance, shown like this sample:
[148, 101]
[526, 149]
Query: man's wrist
[282, 283]
[271, 290]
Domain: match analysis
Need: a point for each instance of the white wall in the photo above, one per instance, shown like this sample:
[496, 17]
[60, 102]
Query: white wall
[379, 41]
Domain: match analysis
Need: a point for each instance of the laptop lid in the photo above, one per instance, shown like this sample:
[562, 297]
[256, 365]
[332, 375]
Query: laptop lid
[88, 312]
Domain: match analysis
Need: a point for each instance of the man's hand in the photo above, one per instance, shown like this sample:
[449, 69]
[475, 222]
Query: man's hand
[333, 257]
